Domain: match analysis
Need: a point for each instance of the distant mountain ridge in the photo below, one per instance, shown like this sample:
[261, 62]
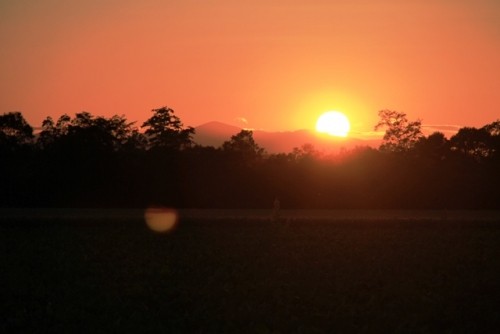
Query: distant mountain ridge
[215, 133]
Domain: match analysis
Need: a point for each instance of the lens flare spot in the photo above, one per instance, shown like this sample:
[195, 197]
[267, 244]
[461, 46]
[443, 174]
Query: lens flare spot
[160, 219]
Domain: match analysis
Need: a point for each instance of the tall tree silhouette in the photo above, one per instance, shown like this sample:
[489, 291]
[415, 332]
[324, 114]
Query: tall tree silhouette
[166, 131]
[400, 135]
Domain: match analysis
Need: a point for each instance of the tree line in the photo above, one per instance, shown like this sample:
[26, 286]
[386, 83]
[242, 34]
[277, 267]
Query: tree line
[94, 161]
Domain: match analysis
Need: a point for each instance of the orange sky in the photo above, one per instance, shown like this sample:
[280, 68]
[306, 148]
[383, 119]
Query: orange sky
[277, 64]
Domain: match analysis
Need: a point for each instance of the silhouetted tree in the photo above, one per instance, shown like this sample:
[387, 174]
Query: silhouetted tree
[135, 141]
[401, 135]
[436, 146]
[46, 137]
[98, 133]
[52, 132]
[89, 132]
[93, 154]
[98, 161]
[165, 130]
[473, 143]
[494, 130]
[306, 152]
[243, 159]
[14, 131]
[17, 161]
[243, 145]
[122, 133]
[62, 125]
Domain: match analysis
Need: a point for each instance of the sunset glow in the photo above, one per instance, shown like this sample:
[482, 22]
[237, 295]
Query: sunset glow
[266, 62]
[333, 123]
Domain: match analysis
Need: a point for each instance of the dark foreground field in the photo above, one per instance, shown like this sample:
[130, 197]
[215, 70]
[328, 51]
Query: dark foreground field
[254, 276]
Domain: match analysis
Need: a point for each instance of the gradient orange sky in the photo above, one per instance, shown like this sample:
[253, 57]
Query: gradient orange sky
[276, 64]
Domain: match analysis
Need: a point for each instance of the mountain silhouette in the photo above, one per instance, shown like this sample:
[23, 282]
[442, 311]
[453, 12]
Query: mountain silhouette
[216, 133]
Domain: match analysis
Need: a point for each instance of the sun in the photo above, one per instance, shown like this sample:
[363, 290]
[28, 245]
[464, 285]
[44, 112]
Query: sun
[333, 123]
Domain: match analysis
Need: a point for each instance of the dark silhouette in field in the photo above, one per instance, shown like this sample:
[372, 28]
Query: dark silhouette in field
[90, 161]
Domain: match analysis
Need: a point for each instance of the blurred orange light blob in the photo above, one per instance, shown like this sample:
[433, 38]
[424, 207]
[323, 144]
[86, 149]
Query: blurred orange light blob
[160, 219]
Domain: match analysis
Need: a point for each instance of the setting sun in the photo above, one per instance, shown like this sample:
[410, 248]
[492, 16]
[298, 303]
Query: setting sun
[333, 123]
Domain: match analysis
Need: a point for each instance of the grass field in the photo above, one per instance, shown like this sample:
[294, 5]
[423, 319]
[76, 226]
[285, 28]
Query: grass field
[110, 274]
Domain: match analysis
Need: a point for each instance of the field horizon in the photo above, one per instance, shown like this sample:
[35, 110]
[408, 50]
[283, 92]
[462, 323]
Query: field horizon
[254, 214]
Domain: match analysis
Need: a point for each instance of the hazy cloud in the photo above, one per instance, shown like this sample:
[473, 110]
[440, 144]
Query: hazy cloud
[242, 120]
[367, 134]
[444, 128]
